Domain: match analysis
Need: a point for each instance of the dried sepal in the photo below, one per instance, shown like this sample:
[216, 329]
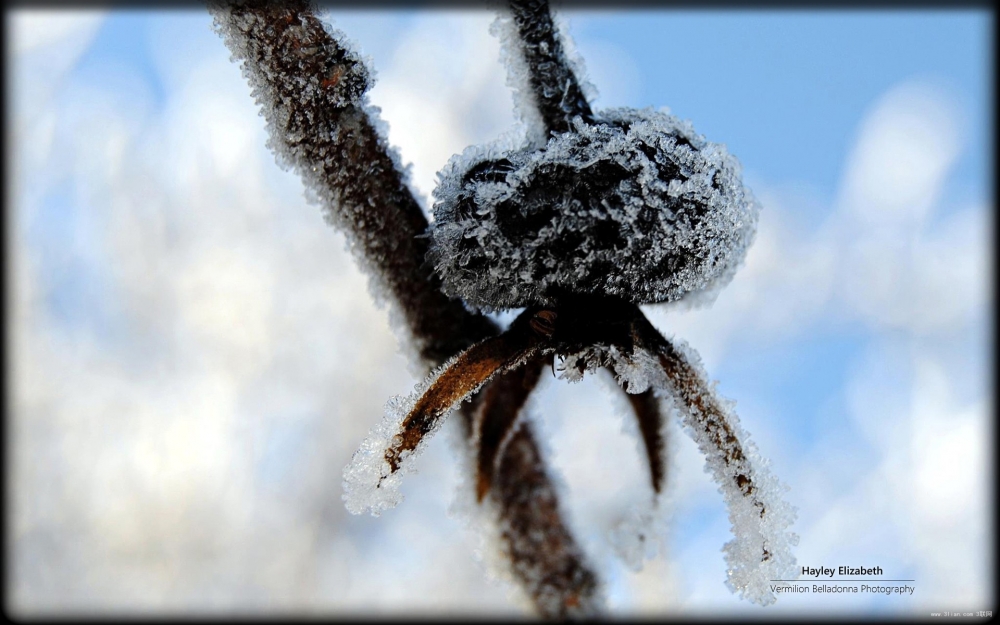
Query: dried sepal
[689, 385]
[499, 407]
[458, 380]
[761, 549]
[646, 407]
[312, 91]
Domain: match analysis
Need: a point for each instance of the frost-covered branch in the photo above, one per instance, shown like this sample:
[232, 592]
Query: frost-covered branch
[540, 72]
[311, 88]
[544, 556]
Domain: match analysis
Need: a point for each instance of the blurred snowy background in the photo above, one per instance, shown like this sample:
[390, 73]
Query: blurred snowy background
[194, 357]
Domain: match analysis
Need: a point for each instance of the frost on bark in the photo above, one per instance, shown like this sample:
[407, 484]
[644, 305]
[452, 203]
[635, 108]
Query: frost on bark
[595, 214]
[311, 89]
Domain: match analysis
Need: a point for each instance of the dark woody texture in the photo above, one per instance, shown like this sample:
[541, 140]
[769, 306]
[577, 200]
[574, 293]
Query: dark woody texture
[554, 87]
[311, 89]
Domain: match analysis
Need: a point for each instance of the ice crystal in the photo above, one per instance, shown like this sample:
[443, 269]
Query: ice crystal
[761, 548]
[636, 206]
[369, 483]
[580, 221]
[640, 536]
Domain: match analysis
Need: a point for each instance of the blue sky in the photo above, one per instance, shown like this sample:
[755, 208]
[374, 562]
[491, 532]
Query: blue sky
[786, 87]
[219, 356]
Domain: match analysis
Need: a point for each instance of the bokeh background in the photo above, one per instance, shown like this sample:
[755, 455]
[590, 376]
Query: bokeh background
[193, 357]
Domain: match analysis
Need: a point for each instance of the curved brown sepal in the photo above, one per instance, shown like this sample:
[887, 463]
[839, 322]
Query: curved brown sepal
[690, 387]
[463, 377]
[499, 408]
[647, 411]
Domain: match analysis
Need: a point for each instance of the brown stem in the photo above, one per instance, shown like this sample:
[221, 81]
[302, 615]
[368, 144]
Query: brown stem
[543, 554]
[554, 86]
[463, 377]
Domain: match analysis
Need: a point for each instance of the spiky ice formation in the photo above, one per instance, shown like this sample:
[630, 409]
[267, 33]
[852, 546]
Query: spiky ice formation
[761, 550]
[636, 206]
[311, 87]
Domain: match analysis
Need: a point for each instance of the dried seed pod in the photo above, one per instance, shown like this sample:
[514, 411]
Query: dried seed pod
[636, 205]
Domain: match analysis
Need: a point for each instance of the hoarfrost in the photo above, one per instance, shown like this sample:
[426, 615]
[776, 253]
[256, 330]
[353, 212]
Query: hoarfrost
[541, 71]
[571, 367]
[574, 59]
[637, 371]
[640, 536]
[518, 79]
[636, 206]
[761, 548]
[369, 483]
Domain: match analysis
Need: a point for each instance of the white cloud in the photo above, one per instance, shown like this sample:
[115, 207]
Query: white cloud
[443, 91]
[53, 30]
[195, 461]
[907, 145]
[900, 264]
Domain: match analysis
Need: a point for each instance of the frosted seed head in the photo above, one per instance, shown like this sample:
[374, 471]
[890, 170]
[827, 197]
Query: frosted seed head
[636, 206]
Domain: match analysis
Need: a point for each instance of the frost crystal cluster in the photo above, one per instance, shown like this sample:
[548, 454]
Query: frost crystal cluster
[585, 218]
[636, 205]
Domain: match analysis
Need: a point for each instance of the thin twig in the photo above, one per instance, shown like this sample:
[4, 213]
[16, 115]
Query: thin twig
[311, 89]
[554, 87]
